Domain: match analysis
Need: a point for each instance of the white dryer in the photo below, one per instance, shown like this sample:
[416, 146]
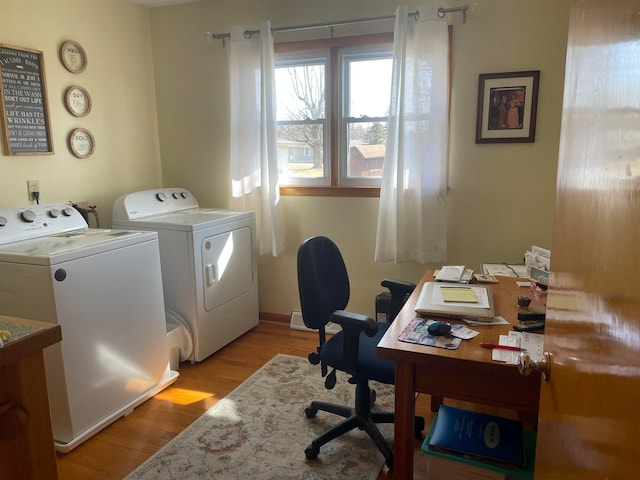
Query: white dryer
[104, 288]
[209, 264]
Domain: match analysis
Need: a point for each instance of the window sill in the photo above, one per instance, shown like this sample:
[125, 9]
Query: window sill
[330, 191]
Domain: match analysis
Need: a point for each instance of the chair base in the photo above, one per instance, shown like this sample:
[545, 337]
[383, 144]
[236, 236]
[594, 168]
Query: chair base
[352, 420]
[359, 417]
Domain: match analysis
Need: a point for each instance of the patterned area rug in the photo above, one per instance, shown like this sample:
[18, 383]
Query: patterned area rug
[259, 432]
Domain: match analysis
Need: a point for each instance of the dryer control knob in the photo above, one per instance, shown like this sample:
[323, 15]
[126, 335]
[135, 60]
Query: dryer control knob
[3, 221]
[28, 216]
[68, 211]
[161, 196]
[54, 213]
[184, 194]
[175, 195]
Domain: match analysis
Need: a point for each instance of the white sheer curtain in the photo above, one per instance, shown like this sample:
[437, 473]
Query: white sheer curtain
[412, 217]
[254, 155]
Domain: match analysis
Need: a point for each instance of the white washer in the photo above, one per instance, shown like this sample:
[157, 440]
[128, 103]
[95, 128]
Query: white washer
[104, 288]
[209, 265]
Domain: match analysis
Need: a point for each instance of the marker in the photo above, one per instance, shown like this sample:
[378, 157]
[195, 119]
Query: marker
[501, 347]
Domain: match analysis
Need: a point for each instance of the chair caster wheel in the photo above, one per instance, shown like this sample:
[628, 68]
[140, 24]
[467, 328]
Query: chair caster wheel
[311, 452]
[310, 412]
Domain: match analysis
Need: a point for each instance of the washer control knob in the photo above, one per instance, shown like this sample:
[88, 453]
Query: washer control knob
[28, 216]
[54, 213]
[3, 221]
[161, 196]
[175, 195]
[184, 194]
[68, 211]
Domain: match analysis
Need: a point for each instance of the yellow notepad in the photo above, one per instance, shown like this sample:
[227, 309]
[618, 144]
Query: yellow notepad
[458, 294]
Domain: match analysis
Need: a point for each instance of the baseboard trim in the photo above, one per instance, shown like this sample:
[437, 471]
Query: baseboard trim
[294, 320]
[274, 317]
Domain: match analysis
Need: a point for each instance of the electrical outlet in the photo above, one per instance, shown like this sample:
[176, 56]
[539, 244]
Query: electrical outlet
[33, 186]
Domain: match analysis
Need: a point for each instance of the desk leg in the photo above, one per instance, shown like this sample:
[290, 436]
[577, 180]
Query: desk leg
[403, 425]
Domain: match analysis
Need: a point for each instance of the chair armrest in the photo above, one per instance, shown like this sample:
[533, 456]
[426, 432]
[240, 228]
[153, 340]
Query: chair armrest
[400, 291]
[352, 325]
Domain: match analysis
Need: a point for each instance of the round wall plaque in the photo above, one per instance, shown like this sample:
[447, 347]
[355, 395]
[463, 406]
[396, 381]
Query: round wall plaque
[81, 143]
[73, 56]
[78, 101]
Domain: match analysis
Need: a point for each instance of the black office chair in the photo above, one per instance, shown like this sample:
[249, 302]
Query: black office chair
[323, 285]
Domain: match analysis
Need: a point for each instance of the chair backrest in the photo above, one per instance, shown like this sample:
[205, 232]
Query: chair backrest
[323, 282]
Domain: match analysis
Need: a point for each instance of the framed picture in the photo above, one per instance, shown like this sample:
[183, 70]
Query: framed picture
[24, 102]
[507, 105]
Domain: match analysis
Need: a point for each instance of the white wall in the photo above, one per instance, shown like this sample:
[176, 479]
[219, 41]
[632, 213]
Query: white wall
[119, 77]
[501, 196]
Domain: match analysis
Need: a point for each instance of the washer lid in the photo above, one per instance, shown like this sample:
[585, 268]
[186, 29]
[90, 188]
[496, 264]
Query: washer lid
[63, 247]
[187, 220]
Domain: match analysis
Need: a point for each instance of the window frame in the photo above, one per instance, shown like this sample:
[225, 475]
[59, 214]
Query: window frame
[318, 57]
[334, 105]
[366, 52]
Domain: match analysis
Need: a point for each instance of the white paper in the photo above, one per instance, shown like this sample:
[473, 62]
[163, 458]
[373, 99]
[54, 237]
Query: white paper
[531, 343]
[504, 270]
[460, 331]
[494, 321]
[450, 273]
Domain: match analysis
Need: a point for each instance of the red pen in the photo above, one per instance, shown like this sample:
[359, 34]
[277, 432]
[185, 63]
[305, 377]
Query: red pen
[501, 347]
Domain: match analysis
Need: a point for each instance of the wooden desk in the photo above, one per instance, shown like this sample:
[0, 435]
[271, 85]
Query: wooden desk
[26, 437]
[467, 373]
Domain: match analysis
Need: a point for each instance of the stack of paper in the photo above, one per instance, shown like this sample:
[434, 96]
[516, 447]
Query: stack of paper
[531, 343]
[454, 274]
[538, 261]
[450, 273]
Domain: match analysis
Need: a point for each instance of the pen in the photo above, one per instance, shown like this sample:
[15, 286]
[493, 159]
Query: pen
[501, 347]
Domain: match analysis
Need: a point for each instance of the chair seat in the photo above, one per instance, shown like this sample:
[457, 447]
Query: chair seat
[369, 365]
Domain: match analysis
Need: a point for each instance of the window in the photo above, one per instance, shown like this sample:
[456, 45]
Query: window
[301, 92]
[332, 109]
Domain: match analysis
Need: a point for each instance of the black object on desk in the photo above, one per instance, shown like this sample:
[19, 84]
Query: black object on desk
[531, 316]
[530, 322]
[529, 326]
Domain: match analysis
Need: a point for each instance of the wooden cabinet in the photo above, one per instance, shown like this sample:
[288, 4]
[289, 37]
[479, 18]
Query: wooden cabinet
[26, 438]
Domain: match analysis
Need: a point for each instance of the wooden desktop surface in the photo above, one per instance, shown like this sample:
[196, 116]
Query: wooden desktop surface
[26, 437]
[467, 373]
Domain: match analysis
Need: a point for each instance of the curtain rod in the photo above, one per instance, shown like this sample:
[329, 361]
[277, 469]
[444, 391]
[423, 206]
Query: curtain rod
[248, 33]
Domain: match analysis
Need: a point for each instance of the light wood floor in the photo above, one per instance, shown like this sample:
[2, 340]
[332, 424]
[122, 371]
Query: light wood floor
[121, 447]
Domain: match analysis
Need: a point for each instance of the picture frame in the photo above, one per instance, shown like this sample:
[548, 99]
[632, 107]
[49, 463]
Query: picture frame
[78, 101]
[26, 126]
[73, 56]
[507, 107]
[82, 143]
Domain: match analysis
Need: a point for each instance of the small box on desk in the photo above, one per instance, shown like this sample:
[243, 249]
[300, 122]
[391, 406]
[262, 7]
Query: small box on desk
[444, 465]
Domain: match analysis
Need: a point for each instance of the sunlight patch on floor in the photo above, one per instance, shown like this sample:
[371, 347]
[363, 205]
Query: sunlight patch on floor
[226, 411]
[183, 396]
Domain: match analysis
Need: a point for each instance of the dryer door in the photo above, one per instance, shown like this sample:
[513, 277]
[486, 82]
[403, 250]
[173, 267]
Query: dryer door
[227, 260]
